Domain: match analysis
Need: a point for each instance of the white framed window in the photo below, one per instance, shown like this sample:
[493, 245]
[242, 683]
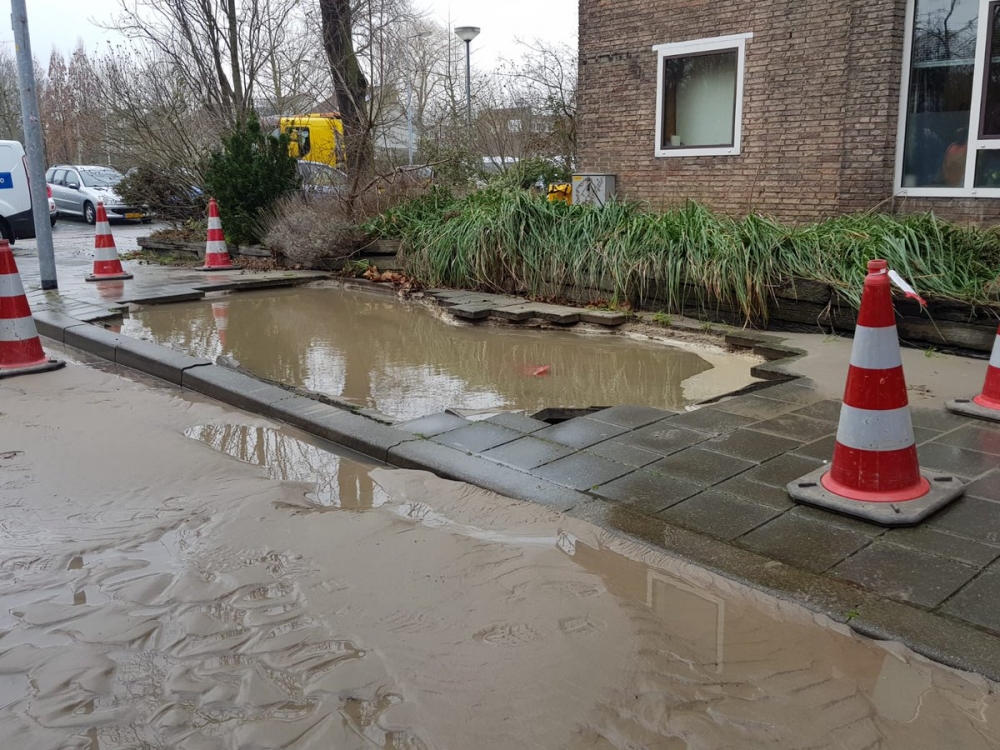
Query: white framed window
[699, 96]
[948, 144]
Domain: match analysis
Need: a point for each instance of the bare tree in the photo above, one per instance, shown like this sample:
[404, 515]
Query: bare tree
[10, 102]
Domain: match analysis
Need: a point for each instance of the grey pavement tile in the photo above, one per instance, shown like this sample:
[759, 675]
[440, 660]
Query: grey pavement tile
[937, 542]
[936, 419]
[623, 453]
[987, 487]
[700, 466]
[821, 449]
[755, 492]
[836, 519]
[781, 470]
[905, 574]
[794, 392]
[959, 461]
[758, 407]
[797, 428]
[711, 421]
[434, 424]
[519, 422]
[630, 417]
[979, 601]
[924, 435]
[974, 437]
[477, 437]
[579, 433]
[527, 453]
[804, 542]
[647, 492]
[581, 471]
[750, 445]
[970, 517]
[718, 514]
[828, 410]
[663, 437]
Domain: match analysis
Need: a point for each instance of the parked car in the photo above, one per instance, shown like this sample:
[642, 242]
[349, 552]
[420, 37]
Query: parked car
[16, 219]
[320, 178]
[77, 189]
[53, 211]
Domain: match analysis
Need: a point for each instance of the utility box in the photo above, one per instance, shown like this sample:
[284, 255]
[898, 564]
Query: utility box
[593, 189]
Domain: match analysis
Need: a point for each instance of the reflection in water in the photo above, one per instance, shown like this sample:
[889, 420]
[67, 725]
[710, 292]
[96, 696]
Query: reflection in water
[399, 359]
[339, 482]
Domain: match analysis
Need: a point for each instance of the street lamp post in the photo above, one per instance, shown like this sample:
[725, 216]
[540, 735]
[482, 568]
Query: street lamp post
[467, 34]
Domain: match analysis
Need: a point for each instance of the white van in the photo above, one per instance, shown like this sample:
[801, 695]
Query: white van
[16, 219]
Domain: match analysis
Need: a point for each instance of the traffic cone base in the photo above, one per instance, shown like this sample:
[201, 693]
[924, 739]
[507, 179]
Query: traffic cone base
[107, 264]
[875, 473]
[987, 404]
[21, 350]
[44, 366]
[216, 251]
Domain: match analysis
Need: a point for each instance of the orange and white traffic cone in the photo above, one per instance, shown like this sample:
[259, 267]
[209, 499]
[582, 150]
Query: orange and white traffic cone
[107, 264]
[220, 311]
[875, 473]
[987, 404]
[216, 252]
[20, 348]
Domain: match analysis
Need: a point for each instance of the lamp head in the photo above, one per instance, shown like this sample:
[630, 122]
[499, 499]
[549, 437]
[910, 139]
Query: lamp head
[467, 33]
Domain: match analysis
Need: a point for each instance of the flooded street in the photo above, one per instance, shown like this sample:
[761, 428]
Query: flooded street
[197, 578]
[402, 360]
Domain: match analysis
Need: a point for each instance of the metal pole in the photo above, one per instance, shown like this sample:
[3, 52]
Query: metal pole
[32, 123]
[409, 123]
[468, 83]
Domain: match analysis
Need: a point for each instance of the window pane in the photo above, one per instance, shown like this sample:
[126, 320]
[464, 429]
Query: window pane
[699, 100]
[940, 95]
[988, 169]
[991, 94]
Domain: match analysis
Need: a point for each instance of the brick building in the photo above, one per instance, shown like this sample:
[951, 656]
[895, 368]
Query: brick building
[795, 108]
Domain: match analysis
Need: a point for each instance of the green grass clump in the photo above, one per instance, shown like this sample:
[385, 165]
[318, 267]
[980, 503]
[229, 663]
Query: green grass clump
[507, 240]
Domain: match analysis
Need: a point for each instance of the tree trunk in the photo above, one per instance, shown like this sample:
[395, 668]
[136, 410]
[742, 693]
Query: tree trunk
[234, 58]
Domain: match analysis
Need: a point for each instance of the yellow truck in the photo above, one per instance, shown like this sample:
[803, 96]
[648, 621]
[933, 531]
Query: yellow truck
[315, 137]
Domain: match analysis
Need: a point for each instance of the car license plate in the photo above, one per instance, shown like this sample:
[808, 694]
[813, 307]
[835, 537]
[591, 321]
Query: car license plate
[133, 216]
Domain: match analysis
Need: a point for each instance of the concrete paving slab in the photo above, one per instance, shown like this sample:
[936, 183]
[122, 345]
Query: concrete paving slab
[647, 491]
[579, 433]
[796, 392]
[630, 417]
[986, 487]
[53, 325]
[803, 542]
[527, 453]
[603, 317]
[700, 466]
[796, 427]
[941, 543]
[581, 472]
[980, 438]
[298, 411]
[757, 406]
[979, 601]
[155, 360]
[936, 419]
[821, 449]
[358, 433]
[750, 445]
[93, 340]
[755, 492]
[519, 422]
[477, 437]
[556, 313]
[234, 388]
[835, 519]
[663, 437]
[514, 313]
[827, 411]
[958, 461]
[434, 424]
[162, 297]
[471, 312]
[454, 464]
[904, 574]
[623, 453]
[718, 514]
[711, 421]
[779, 471]
[970, 517]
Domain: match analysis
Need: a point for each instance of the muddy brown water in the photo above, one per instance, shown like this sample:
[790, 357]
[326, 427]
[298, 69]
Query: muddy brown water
[404, 361]
[361, 608]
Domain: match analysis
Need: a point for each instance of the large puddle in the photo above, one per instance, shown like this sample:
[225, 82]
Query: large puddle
[392, 609]
[401, 360]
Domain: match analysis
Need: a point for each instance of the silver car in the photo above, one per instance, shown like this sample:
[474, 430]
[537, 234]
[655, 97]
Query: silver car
[77, 189]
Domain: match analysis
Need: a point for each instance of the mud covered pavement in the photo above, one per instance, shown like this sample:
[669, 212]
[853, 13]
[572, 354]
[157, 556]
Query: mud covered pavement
[177, 575]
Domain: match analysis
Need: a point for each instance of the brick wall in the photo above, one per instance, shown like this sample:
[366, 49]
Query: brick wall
[820, 109]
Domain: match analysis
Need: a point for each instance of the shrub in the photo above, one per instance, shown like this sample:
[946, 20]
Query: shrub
[172, 193]
[305, 230]
[252, 170]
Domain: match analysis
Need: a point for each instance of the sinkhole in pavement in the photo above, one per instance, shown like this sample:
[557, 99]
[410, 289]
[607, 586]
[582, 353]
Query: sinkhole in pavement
[401, 359]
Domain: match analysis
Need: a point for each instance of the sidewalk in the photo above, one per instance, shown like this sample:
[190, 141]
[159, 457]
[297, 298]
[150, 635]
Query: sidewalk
[706, 484]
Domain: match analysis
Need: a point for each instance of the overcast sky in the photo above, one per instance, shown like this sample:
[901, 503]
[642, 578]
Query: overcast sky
[61, 23]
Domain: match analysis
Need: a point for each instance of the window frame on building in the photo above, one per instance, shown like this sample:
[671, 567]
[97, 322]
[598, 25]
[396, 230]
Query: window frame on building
[732, 42]
[976, 143]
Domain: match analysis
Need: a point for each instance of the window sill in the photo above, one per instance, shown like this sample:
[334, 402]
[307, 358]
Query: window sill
[695, 151]
[947, 192]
